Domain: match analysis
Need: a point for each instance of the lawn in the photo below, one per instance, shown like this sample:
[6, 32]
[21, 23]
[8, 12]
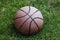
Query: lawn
[50, 10]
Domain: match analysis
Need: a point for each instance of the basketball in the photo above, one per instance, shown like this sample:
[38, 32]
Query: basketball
[28, 20]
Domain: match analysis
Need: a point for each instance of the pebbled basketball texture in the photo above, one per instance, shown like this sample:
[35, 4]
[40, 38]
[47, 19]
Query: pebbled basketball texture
[28, 20]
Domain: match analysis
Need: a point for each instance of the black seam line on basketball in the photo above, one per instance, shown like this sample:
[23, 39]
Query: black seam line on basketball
[25, 15]
[38, 18]
[24, 12]
[34, 22]
[26, 20]
[29, 26]
[31, 22]
[23, 23]
[29, 9]
[32, 19]
[22, 16]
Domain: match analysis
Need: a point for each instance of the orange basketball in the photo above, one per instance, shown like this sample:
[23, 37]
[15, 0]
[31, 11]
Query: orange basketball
[28, 20]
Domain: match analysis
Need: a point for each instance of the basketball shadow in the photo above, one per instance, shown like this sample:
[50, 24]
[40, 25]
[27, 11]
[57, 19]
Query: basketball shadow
[13, 31]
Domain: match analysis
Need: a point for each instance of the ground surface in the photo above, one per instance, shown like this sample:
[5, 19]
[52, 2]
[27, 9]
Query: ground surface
[51, 13]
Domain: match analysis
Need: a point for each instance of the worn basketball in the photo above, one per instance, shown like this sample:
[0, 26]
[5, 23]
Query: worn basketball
[28, 20]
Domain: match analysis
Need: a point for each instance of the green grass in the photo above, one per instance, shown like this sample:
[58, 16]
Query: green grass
[51, 13]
